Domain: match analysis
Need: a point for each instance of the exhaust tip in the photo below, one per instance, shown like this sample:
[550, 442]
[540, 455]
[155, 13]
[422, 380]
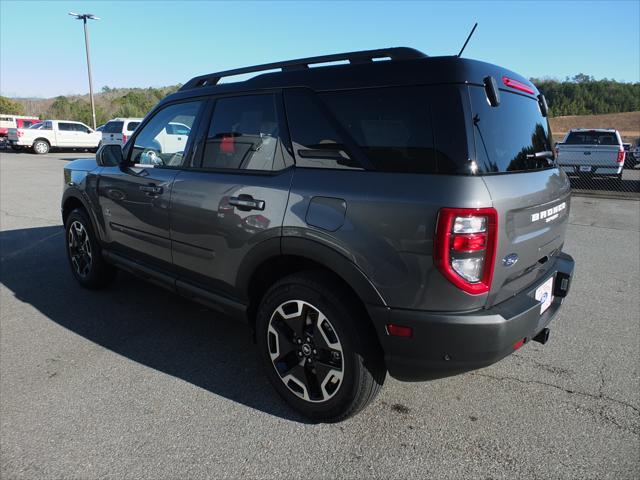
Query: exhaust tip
[543, 336]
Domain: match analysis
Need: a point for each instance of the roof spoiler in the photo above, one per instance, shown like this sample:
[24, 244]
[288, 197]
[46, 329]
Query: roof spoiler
[365, 56]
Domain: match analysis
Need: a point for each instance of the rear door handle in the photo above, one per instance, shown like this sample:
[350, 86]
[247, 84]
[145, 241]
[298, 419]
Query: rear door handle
[246, 203]
[151, 189]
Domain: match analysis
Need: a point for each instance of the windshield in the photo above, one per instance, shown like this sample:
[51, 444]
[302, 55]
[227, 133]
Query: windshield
[508, 136]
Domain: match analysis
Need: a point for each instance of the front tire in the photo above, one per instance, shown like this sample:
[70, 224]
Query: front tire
[41, 147]
[319, 349]
[84, 252]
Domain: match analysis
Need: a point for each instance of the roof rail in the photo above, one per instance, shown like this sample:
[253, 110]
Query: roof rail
[365, 56]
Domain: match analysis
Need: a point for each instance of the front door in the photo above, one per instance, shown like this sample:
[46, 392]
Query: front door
[135, 197]
[236, 194]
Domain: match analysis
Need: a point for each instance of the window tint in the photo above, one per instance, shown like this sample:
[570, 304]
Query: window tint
[315, 141]
[592, 138]
[131, 126]
[507, 136]
[243, 134]
[113, 127]
[80, 127]
[391, 125]
[47, 126]
[66, 127]
[152, 144]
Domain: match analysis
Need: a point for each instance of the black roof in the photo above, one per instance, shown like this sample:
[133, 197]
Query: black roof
[401, 66]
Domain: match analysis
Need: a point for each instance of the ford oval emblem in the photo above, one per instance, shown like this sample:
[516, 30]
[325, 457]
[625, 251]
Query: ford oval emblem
[510, 259]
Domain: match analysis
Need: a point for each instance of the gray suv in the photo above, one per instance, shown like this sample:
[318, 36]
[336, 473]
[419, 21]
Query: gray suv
[383, 211]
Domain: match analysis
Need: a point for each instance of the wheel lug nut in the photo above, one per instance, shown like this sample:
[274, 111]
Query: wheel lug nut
[299, 341]
[299, 353]
[315, 352]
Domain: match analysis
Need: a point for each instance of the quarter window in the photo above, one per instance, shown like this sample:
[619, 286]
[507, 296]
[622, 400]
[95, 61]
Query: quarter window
[155, 146]
[243, 134]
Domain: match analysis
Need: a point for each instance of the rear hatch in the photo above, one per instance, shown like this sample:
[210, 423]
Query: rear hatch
[112, 133]
[529, 192]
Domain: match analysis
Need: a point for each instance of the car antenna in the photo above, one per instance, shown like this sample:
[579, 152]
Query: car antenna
[468, 38]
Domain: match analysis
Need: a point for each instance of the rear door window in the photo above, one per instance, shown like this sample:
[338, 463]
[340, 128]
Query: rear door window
[66, 127]
[508, 136]
[244, 134]
[131, 126]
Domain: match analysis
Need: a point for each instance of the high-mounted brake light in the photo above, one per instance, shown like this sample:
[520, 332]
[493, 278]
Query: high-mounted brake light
[464, 247]
[516, 85]
[621, 155]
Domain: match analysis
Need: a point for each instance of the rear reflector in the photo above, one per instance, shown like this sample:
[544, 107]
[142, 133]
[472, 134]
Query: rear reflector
[516, 85]
[518, 344]
[399, 330]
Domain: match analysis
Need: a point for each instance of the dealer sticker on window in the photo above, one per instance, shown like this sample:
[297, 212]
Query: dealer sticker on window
[544, 294]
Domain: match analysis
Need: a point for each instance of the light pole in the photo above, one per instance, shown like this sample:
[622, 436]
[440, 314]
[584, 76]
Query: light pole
[84, 17]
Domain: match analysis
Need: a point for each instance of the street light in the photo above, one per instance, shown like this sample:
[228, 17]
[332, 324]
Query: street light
[84, 17]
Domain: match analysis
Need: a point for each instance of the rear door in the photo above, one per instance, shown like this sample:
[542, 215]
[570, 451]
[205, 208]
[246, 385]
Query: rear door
[112, 132]
[135, 199]
[66, 135]
[530, 194]
[234, 194]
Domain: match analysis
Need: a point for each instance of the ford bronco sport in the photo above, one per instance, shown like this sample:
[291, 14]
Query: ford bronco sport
[394, 213]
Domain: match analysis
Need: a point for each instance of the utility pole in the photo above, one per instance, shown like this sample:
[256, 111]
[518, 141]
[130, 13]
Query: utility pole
[84, 17]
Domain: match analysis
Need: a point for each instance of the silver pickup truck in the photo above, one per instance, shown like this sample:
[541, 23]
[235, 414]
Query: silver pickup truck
[590, 153]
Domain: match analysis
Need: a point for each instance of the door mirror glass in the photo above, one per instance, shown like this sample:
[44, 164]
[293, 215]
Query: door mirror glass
[109, 156]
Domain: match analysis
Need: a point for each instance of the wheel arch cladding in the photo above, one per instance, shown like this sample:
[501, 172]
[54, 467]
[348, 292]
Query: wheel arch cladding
[298, 255]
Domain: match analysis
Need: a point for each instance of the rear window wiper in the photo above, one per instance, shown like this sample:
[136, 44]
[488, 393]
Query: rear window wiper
[546, 154]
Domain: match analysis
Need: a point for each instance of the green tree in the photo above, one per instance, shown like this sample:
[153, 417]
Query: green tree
[9, 107]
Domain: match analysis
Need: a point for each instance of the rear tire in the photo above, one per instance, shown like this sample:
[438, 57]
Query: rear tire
[320, 351]
[84, 252]
[41, 147]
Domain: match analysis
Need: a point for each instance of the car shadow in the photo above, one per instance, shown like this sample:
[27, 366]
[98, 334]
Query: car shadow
[139, 321]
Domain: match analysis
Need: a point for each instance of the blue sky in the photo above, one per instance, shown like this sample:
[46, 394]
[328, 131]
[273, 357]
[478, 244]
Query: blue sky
[157, 43]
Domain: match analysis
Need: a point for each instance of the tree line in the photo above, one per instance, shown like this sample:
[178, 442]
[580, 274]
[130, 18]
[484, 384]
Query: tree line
[583, 95]
[578, 95]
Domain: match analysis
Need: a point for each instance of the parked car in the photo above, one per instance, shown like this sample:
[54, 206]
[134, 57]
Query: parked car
[630, 158]
[118, 130]
[15, 121]
[55, 134]
[592, 153]
[403, 215]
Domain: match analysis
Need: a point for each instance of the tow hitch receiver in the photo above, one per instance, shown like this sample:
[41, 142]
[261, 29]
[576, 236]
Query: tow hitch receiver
[543, 336]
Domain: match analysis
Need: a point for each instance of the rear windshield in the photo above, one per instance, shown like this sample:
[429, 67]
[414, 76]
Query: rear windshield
[113, 127]
[508, 136]
[592, 138]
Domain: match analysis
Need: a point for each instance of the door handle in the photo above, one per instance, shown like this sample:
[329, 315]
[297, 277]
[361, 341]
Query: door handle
[151, 189]
[246, 203]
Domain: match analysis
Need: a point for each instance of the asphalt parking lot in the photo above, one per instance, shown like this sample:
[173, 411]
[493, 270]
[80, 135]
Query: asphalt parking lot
[135, 382]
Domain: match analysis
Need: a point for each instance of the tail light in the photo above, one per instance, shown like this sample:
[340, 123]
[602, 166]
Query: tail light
[465, 247]
[621, 154]
[19, 133]
[124, 139]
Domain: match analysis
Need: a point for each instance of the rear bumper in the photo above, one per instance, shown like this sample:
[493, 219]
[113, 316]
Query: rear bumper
[598, 171]
[445, 344]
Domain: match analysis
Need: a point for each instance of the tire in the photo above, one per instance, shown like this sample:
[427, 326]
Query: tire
[41, 147]
[84, 252]
[328, 367]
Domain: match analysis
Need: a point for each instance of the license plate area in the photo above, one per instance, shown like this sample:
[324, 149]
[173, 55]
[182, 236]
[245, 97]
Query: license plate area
[544, 294]
[585, 168]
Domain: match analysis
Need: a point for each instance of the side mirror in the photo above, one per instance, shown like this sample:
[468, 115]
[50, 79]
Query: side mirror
[109, 156]
[89, 130]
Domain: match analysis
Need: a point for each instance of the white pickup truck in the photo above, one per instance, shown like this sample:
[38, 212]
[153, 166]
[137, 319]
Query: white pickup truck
[55, 134]
[590, 153]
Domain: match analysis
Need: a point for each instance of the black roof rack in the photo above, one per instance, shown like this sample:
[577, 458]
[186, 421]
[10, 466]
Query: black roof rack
[365, 56]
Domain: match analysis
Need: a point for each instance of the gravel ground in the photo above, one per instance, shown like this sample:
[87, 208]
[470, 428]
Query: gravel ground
[134, 382]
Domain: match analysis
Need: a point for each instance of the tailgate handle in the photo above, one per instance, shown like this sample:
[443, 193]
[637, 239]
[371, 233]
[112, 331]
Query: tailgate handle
[586, 153]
